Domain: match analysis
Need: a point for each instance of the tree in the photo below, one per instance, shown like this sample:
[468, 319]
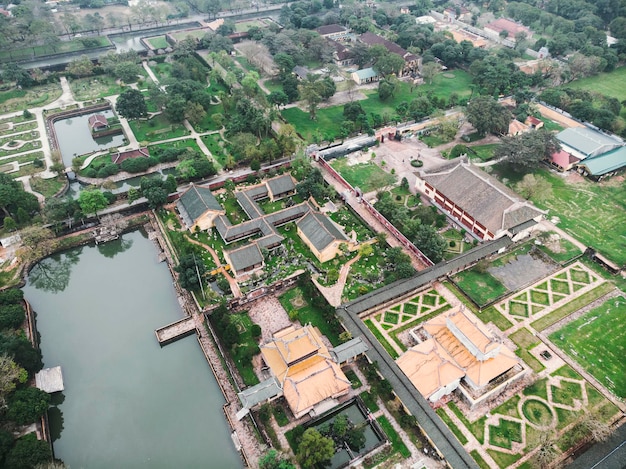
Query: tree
[13, 197]
[27, 405]
[10, 374]
[351, 111]
[309, 91]
[11, 316]
[194, 113]
[277, 98]
[314, 448]
[127, 71]
[273, 460]
[91, 201]
[387, 88]
[388, 64]
[28, 451]
[80, 67]
[37, 241]
[527, 150]
[429, 70]
[595, 427]
[9, 224]
[22, 351]
[532, 186]
[431, 243]
[487, 115]
[131, 104]
[190, 271]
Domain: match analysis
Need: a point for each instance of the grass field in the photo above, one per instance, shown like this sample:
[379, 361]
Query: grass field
[480, 287]
[74, 45]
[14, 100]
[158, 42]
[589, 211]
[484, 152]
[85, 89]
[327, 119]
[366, 176]
[610, 84]
[156, 129]
[600, 352]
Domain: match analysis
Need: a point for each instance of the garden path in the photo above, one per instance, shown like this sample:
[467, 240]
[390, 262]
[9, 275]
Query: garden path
[25, 180]
[333, 294]
[133, 144]
[234, 286]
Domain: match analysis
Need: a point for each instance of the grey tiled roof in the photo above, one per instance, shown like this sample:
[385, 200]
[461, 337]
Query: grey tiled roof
[244, 257]
[248, 205]
[349, 349]
[281, 185]
[587, 141]
[196, 201]
[487, 200]
[259, 393]
[331, 29]
[319, 230]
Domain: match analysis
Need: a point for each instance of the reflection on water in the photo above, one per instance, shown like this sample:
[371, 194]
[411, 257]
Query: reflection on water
[127, 402]
[132, 40]
[75, 138]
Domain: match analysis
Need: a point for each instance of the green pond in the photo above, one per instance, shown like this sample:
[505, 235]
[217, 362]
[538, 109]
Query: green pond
[127, 402]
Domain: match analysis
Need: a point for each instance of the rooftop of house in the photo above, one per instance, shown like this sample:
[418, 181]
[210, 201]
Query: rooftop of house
[516, 127]
[281, 185]
[366, 73]
[563, 159]
[119, 157]
[606, 162]
[503, 24]
[331, 29]
[341, 50]
[429, 367]
[372, 39]
[97, 120]
[586, 141]
[302, 364]
[195, 202]
[319, 230]
[244, 257]
[487, 200]
[301, 72]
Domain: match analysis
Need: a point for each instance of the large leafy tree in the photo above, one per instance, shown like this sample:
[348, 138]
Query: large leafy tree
[10, 374]
[28, 451]
[273, 460]
[13, 197]
[91, 201]
[487, 115]
[526, 150]
[27, 405]
[22, 351]
[190, 270]
[314, 449]
[131, 104]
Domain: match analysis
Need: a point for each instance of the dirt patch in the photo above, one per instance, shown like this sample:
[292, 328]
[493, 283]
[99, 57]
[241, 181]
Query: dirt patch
[574, 178]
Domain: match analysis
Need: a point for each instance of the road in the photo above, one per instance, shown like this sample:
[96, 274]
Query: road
[608, 455]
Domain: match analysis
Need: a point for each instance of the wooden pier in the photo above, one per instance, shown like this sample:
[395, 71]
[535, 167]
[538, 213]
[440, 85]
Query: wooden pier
[177, 330]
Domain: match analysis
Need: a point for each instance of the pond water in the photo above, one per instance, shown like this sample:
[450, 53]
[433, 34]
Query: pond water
[75, 138]
[127, 402]
[358, 418]
[132, 40]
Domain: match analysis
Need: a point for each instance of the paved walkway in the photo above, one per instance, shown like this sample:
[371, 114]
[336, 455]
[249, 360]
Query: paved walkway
[333, 294]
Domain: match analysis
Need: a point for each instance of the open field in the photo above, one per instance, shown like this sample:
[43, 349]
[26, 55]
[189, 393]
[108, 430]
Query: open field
[594, 213]
[85, 89]
[158, 42]
[42, 95]
[597, 341]
[610, 84]
[328, 119]
[366, 176]
[156, 129]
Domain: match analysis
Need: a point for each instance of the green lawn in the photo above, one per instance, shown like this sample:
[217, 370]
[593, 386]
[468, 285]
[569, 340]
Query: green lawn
[597, 341]
[156, 129]
[396, 441]
[572, 306]
[524, 339]
[480, 287]
[589, 211]
[85, 89]
[561, 250]
[451, 425]
[484, 152]
[307, 313]
[366, 176]
[609, 84]
[18, 100]
[239, 352]
[327, 119]
[383, 341]
[158, 42]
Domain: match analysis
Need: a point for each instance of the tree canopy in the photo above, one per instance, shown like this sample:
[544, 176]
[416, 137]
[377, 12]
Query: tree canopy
[91, 201]
[314, 448]
[488, 116]
[27, 405]
[527, 150]
[131, 104]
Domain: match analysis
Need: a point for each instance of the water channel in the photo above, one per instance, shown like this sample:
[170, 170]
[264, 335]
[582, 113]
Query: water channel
[75, 138]
[127, 402]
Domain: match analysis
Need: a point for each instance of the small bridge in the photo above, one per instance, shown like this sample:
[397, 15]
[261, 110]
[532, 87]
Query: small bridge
[177, 330]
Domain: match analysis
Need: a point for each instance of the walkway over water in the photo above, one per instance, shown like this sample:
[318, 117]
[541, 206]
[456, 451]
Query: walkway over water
[177, 330]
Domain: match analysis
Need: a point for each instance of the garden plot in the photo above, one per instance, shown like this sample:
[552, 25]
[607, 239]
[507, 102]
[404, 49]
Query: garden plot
[597, 341]
[551, 293]
[553, 405]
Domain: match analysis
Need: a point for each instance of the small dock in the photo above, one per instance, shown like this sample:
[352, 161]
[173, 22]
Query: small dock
[177, 330]
[50, 380]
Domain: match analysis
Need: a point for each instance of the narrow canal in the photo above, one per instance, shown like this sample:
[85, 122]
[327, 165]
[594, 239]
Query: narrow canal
[127, 402]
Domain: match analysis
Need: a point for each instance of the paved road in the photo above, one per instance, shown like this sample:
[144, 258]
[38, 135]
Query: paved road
[608, 455]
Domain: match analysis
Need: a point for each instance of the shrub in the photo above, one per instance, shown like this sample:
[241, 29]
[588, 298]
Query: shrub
[458, 150]
[255, 330]
[452, 244]
[417, 163]
[90, 173]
